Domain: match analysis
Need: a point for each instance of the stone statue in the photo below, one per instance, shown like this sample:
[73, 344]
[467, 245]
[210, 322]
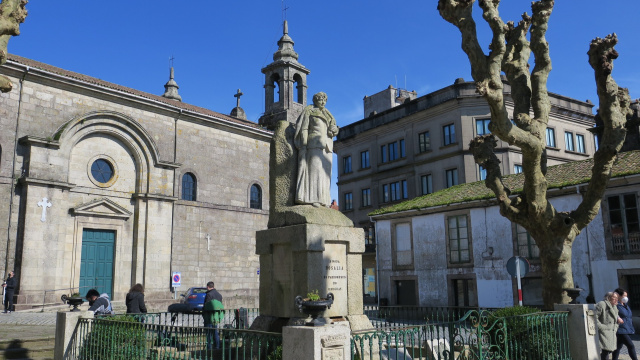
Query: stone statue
[315, 129]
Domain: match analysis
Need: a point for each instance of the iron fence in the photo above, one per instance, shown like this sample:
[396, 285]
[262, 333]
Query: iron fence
[384, 317]
[478, 335]
[241, 318]
[128, 337]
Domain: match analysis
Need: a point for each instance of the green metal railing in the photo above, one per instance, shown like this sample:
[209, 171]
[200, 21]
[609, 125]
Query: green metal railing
[127, 337]
[477, 335]
[539, 336]
[387, 317]
[240, 318]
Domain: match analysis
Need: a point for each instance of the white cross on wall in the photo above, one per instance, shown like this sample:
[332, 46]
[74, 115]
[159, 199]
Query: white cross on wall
[44, 204]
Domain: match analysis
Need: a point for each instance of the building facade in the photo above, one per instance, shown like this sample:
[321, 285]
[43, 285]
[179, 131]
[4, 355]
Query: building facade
[105, 186]
[409, 146]
[445, 249]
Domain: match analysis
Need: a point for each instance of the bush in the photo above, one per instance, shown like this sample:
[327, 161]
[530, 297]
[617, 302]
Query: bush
[528, 337]
[120, 337]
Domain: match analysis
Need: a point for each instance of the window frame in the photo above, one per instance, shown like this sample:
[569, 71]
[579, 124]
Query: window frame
[530, 244]
[482, 173]
[424, 142]
[365, 195]
[193, 196]
[383, 153]
[581, 146]
[485, 126]
[394, 244]
[569, 144]
[348, 201]
[365, 159]
[550, 141]
[469, 249]
[251, 199]
[426, 181]
[453, 171]
[611, 233]
[385, 193]
[450, 138]
[515, 168]
[347, 167]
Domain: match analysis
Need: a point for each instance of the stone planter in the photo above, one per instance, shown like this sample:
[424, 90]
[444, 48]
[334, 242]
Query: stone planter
[314, 309]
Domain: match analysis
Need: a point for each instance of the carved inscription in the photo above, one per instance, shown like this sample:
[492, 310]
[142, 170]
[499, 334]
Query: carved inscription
[333, 340]
[333, 354]
[334, 274]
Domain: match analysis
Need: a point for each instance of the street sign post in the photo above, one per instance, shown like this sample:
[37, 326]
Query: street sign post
[176, 278]
[518, 266]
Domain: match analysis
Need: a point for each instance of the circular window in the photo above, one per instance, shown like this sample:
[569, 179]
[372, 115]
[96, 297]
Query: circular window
[102, 170]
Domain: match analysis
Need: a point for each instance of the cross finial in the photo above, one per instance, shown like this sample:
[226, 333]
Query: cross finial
[284, 11]
[171, 61]
[237, 96]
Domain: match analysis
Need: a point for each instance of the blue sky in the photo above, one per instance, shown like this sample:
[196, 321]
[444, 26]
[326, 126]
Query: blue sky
[353, 48]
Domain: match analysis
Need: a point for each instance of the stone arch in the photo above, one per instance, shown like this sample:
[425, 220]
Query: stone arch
[298, 89]
[274, 86]
[119, 126]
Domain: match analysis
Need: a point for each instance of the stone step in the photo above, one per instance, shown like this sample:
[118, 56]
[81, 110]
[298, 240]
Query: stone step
[42, 348]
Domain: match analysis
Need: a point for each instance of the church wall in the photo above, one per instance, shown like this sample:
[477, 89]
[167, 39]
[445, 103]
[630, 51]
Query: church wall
[225, 159]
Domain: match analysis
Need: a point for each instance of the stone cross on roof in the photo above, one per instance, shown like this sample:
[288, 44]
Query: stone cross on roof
[237, 96]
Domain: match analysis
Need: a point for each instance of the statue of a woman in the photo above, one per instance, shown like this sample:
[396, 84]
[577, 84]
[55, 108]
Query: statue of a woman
[315, 129]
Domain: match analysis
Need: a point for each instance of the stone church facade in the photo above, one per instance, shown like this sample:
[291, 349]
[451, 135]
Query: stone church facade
[105, 186]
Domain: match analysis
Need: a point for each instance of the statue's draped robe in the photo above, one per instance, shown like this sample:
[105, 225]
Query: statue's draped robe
[315, 129]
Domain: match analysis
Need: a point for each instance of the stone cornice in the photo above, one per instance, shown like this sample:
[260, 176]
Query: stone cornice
[45, 182]
[156, 197]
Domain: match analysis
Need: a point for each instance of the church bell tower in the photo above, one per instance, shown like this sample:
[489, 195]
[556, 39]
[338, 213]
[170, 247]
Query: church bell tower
[285, 86]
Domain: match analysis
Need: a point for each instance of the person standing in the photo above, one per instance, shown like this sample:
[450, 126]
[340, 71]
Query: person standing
[625, 330]
[9, 287]
[135, 300]
[212, 314]
[607, 319]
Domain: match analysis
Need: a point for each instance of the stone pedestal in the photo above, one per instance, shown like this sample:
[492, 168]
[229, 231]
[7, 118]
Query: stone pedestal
[331, 342]
[297, 259]
[583, 334]
[65, 326]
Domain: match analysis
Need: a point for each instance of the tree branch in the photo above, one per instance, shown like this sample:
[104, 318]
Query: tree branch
[614, 111]
[516, 67]
[540, 47]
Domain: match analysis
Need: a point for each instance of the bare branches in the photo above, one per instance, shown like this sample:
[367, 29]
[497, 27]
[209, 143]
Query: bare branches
[516, 66]
[614, 111]
[12, 14]
[540, 47]
[482, 148]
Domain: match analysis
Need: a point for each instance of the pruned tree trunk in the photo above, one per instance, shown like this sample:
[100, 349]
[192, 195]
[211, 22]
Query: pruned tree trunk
[553, 231]
[12, 14]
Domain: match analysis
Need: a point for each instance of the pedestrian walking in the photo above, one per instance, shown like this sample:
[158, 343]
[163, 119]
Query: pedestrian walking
[608, 320]
[9, 286]
[212, 314]
[625, 330]
[135, 300]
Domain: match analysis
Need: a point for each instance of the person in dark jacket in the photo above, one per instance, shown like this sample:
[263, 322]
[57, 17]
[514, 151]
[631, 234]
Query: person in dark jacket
[9, 287]
[212, 321]
[99, 303]
[135, 300]
[625, 330]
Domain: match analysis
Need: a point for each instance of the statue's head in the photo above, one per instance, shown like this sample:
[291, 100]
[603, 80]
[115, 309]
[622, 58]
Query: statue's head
[320, 100]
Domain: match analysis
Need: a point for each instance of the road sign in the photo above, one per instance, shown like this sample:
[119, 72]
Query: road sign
[522, 262]
[518, 266]
[175, 279]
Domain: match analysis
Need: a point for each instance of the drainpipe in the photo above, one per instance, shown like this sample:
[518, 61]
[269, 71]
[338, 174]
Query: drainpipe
[173, 205]
[375, 231]
[13, 169]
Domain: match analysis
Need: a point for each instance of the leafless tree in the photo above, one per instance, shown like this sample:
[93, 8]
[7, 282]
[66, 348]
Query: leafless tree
[509, 52]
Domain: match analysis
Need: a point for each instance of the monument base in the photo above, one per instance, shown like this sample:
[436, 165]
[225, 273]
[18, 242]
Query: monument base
[323, 342]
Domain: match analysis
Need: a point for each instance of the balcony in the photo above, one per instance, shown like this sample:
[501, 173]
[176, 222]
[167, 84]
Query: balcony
[623, 245]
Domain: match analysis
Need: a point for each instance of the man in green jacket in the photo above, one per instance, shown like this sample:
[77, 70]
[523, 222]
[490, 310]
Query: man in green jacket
[212, 314]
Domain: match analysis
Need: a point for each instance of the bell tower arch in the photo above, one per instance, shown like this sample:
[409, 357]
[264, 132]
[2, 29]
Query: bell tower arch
[285, 87]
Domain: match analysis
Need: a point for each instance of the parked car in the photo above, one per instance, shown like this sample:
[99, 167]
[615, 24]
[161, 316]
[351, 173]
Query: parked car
[191, 301]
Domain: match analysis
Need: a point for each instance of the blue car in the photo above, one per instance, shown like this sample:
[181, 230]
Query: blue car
[191, 301]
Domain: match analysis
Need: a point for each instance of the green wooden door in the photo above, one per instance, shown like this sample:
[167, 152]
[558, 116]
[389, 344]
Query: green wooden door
[96, 264]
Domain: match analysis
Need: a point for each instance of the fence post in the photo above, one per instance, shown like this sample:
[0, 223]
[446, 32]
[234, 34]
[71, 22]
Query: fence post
[65, 325]
[317, 342]
[581, 324]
